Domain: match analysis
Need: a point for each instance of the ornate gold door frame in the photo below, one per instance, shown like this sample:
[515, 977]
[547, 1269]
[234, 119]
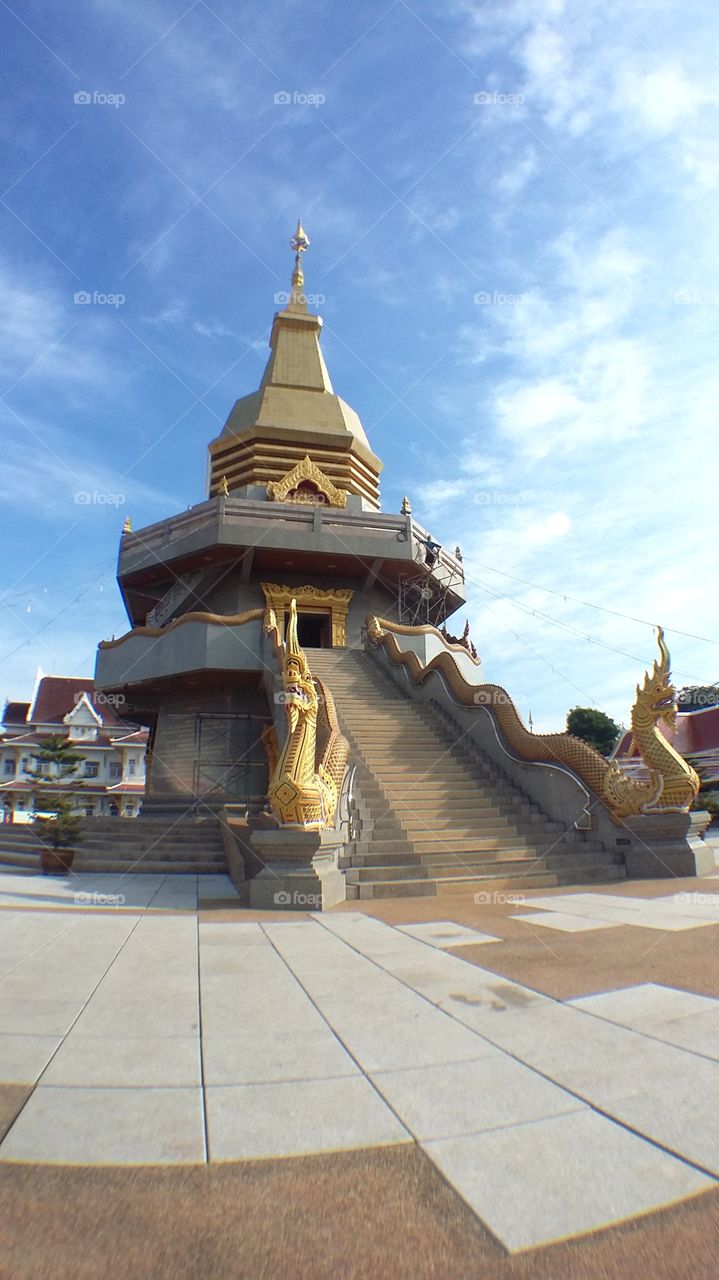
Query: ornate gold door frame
[311, 600]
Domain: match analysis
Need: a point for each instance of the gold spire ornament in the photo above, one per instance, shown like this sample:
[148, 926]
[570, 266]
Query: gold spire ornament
[127, 526]
[300, 243]
[224, 487]
[406, 508]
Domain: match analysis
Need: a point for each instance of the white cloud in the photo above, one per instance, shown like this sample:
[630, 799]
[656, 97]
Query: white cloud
[513, 180]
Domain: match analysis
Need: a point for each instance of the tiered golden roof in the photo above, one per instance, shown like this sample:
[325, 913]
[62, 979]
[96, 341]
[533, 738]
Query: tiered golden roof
[295, 413]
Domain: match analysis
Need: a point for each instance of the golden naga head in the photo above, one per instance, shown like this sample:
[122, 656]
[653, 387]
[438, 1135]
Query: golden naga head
[658, 694]
[300, 692]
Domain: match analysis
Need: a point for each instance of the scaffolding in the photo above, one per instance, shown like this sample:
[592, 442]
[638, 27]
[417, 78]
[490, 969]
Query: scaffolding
[423, 593]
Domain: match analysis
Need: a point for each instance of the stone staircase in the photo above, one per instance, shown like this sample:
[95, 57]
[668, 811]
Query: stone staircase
[128, 845]
[434, 818]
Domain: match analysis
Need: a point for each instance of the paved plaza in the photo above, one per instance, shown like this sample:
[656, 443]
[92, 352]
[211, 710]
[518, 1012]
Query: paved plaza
[149, 1021]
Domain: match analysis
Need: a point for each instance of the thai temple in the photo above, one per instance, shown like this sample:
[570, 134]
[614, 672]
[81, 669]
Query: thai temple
[314, 726]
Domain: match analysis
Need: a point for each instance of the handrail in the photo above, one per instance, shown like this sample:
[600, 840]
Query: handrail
[400, 629]
[561, 749]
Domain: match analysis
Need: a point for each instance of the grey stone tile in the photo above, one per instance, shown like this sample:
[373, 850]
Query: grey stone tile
[698, 1032]
[24, 1058]
[468, 1097]
[681, 1118]
[260, 1056]
[645, 1006]
[393, 1034]
[61, 1125]
[445, 933]
[297, 1118]
[553, 1179]
[598, 1060]
[39, 1017]
[130, 1061]
[231, 935]
[565, 923]
[113, 1015]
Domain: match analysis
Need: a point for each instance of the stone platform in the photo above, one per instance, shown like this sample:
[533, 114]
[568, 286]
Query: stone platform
[149, 1021]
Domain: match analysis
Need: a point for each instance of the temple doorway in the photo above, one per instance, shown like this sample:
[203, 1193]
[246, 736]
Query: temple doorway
[314, 630]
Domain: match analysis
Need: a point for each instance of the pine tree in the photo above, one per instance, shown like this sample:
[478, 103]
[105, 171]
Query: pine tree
[55, 784]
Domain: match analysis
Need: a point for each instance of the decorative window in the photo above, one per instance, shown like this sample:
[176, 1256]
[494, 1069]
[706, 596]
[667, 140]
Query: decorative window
[115, 770]
[131, 766]
[9, 768]
[92, 769]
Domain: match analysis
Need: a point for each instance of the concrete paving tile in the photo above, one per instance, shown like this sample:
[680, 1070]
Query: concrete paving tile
[598, 1060]
[277, 1014]
[679, 1118]
[468, 1097]
[566, 923]
[20, 1016]
[24, 1058]
[60, 1125]
[696, 902]
[231, 935]
[679, 1018]
[260, 1056]
[61, 987]
[552, 1179]
[433, 972]
[445, 933]
[369, 936]
[698, 1032]
[129, 1061]
[122, 1017]
[298, 1118]
[25, 935]
[646, 1005]
[646, 913]
[392, 1034]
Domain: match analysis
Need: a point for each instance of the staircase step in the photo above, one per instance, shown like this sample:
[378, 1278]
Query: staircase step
[434, 819]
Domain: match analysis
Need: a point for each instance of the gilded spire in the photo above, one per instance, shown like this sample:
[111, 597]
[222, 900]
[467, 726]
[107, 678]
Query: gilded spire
[300, 243]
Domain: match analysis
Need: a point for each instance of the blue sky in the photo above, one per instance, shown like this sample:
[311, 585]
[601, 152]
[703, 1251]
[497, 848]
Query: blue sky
[512, 210]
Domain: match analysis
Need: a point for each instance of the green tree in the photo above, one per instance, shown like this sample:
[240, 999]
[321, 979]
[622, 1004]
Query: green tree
[55, 784]
[594, 727]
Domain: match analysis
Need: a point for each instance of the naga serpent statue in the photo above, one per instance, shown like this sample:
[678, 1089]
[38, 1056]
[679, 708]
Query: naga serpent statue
[306, 773]
[672, 784]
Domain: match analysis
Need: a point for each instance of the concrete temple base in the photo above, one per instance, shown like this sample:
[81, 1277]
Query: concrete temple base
[299, 871]
[669, 844]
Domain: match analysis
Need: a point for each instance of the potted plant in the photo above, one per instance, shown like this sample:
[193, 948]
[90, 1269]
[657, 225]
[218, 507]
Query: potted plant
[57, 822]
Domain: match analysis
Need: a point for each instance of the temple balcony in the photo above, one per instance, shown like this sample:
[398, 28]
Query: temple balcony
[192, 644]
[269, 538]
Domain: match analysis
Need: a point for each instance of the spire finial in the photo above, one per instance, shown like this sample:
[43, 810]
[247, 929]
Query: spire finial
[300, 242]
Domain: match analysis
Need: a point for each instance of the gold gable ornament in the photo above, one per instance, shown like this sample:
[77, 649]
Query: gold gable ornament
[307, 484]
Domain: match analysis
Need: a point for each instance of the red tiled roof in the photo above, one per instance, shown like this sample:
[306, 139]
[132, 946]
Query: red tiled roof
[57, 695]
[16, 712]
